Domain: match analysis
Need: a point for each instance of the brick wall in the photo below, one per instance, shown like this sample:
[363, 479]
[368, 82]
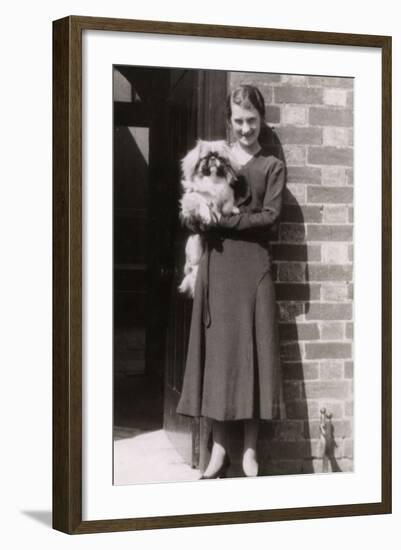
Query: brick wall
[313, 120]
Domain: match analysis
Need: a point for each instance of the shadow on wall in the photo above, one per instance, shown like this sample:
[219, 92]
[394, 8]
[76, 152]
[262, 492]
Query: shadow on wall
[288, 446]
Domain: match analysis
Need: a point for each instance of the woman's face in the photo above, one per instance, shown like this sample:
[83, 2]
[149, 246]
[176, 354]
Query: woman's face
[246, 124]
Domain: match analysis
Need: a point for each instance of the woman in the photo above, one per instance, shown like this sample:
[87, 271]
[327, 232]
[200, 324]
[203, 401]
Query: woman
[233, 368]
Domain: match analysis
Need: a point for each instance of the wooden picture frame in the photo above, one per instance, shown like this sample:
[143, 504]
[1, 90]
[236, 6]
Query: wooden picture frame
[67, 273]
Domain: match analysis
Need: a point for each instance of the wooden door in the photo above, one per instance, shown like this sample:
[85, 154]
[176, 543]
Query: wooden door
[159, 113]
[182, 122]
[195, 110]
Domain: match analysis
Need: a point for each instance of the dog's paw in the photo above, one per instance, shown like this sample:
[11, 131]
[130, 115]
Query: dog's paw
[187, 287]
[205, 217]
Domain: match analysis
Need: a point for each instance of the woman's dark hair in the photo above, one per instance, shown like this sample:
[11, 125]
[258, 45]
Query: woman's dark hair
[246, 96]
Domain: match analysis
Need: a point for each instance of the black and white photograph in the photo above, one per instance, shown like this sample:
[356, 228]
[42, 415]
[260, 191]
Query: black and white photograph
[222, 234]
[232, 274]
[200, 295]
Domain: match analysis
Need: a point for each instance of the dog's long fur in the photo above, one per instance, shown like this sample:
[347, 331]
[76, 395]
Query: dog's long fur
[208, 175]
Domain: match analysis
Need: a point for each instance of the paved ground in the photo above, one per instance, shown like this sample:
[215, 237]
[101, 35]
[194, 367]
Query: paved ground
[149, 456]
[142, 450]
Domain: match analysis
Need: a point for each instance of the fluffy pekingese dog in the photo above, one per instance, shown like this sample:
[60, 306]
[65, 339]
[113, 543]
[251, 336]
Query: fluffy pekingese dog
[208, 176]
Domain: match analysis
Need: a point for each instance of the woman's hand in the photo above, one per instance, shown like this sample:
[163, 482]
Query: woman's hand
[193, 225]
[199, 226]
[215, 218]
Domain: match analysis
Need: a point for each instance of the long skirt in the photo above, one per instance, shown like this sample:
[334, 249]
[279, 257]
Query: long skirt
[233, 359]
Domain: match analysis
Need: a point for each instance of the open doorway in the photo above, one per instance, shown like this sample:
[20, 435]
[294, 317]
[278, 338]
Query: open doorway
[158, 115]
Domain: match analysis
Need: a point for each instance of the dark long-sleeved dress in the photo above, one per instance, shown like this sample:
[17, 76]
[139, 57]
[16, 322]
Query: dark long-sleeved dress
[233, 363]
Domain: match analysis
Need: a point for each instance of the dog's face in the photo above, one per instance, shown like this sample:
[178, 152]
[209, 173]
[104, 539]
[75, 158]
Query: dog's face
[212, 159]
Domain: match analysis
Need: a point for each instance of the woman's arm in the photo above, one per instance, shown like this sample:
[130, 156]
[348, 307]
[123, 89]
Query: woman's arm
[272, 204]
